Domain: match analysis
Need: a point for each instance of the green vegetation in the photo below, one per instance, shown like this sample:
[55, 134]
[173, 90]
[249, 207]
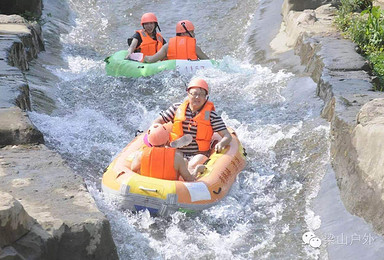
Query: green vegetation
[364, 24]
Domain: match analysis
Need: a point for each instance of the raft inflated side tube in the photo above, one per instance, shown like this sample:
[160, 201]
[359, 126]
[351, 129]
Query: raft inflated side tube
[163, 197]
[116, 65]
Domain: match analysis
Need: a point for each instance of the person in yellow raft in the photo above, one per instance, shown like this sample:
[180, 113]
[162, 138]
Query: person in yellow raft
[161, 161]
[181, 47]
[196, 116]
[147, 40]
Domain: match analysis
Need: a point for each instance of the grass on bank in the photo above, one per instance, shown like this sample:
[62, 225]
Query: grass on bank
[364, 24]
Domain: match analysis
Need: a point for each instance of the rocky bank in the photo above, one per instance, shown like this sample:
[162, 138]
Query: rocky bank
[354, 110]
[46, 211]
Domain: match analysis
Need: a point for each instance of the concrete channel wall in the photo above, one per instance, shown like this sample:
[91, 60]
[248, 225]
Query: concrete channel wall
[354, 110]
[46, 211]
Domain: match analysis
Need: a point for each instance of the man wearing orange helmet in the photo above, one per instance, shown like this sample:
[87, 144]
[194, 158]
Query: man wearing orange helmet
[146, 40]
[196, 116]
[160, 161]
[181, 47]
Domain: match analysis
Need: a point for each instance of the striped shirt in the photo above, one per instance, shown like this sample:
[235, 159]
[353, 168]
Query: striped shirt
[217, 124]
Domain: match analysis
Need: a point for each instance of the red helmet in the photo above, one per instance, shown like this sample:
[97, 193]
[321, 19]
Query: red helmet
[158, 135]
[148, 18]
[198, 83]
[184, 23]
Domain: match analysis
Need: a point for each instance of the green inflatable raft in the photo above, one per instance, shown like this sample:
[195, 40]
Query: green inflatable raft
[116, 66]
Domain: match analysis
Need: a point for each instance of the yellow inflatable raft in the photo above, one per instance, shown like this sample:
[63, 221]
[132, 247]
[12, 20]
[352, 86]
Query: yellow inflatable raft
[163, 197]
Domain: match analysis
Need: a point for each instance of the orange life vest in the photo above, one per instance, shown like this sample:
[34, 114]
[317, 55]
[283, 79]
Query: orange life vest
[148, 45]
[158, 162]
[182, 48]
[202, 122]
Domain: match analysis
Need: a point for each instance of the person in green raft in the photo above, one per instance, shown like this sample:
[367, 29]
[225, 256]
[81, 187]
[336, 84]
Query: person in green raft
[181, 47]
[146, 41]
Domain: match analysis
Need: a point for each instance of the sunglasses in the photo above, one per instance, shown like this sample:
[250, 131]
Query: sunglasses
[196, 94]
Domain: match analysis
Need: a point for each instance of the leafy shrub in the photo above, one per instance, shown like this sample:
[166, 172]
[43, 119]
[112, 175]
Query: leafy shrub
[374, 28]
[366, 30]
[377, 63]
[364, 4]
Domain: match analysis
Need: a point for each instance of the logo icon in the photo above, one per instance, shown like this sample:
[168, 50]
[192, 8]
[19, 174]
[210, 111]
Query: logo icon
[311, 239]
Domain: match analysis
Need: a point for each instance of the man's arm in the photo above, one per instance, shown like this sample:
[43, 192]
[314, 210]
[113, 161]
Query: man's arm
[160, 55]
[181, 167]
[200, 54]
[167, 115]
[227, 138]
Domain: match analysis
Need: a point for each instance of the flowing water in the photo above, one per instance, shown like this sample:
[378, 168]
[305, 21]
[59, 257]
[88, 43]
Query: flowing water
[89, 117]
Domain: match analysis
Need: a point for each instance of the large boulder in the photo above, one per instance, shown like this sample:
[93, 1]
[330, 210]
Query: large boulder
[301, 5]
[68, 223]
[368, 141]
[297, 24]
[17, 128]
[20, 42]
[14, 220]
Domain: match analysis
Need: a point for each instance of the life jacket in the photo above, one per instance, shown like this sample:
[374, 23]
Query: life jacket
[149, 46]
[201, 120]
[158, 162]
[182, 48]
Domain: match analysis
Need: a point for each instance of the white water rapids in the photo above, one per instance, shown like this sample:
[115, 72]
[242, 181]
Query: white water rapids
[89, 117]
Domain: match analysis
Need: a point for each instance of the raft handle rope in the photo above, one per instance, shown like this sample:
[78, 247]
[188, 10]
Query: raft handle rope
[138, 132]
[183, 24]
[106, 60]
[147, 189]
[218, 191]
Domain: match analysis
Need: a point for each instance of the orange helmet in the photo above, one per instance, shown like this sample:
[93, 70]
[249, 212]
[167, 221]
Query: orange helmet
[158, 135]
[148, 18]
[198, 83]
[180, 26]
